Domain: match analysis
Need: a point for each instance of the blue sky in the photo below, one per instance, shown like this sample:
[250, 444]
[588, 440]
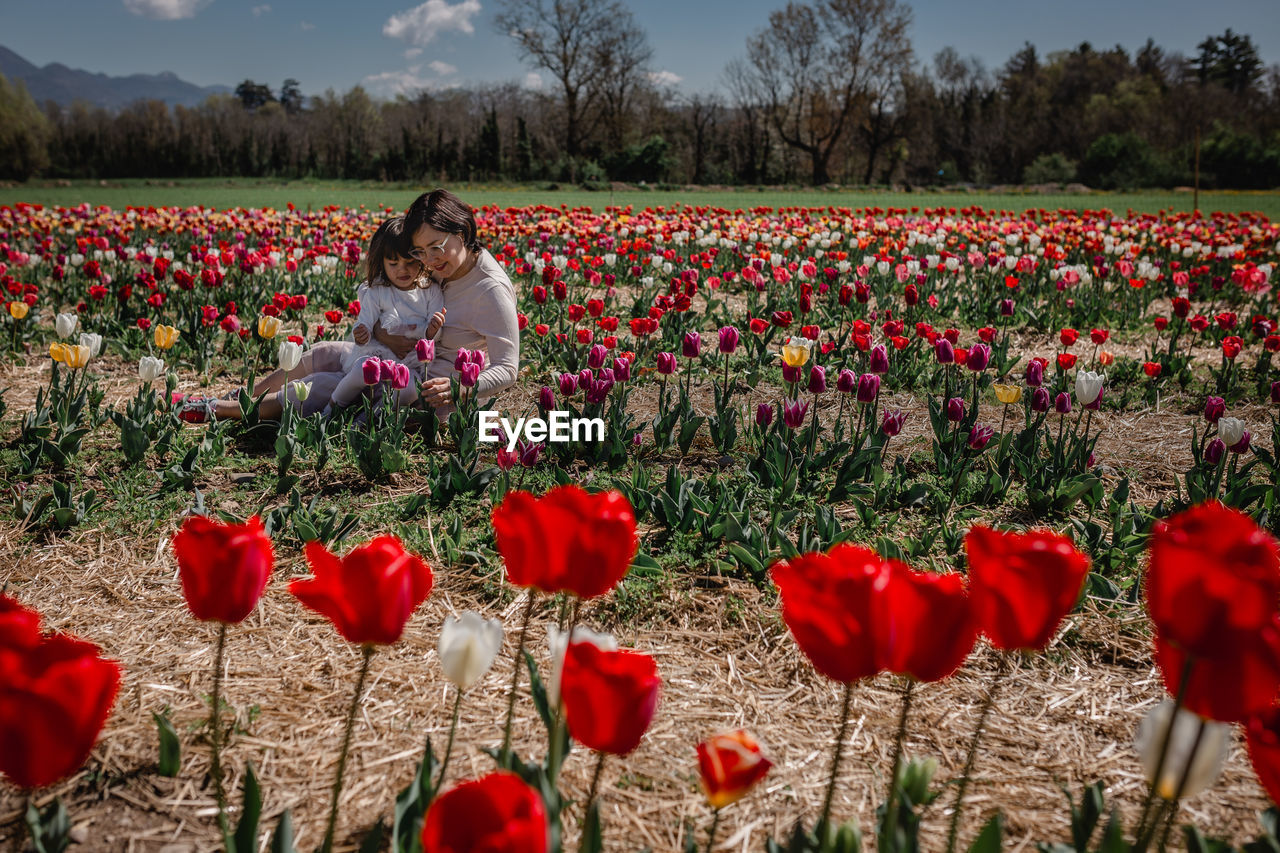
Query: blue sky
[401, 45]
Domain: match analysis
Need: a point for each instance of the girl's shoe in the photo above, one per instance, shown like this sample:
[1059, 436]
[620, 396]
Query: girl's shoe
[196, 410]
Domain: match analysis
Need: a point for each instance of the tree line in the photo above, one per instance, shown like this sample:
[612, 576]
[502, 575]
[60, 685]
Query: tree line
[827, 91]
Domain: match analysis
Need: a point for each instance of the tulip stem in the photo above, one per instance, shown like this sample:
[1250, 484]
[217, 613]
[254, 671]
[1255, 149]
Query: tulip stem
[1160, 759]
[595, 781]
[215, 735]
[886, 829]
[346, 745]
[556, 754]
[835, 760]
[1182, 783]
[715, 824]
[504, 757]
[448, 749]
[972, 757]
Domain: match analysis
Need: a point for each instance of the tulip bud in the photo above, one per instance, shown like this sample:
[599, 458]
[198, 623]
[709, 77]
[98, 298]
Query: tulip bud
[1062, 403]
[425, 349]
[568, 384]
[979, 357]
[468, 646]
[401, 377]
[1275, 391]
[955, 409]
[622, 369]
[372, 369]
[18, 310]
[1242, 446]
[793, 412]
[301, 390]
[469, 374]
[288, 355]
[1006, 307]
[891, 423]
[65, 324]
[1040, 400]
[596, 356]
[764, 414]
[878, 359]
[817, 379]
[692, 345]
[1192, 755]
[529, 453]
[546, 398]
[58, 352]
[150, 368]
[795, 352]
[846, 381]
[868, 387]
[77, 356]
[585, 378]
[666, 363]
[1214, 408]
[268, 327]
[944, 351]
[791, 374]
[1213, 451]
[166, 336]
[728, 339]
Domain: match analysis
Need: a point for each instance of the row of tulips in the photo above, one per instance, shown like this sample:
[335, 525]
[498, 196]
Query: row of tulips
[1212, 591]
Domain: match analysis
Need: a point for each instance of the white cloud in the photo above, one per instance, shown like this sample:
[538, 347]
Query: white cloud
[412, 52]
[166, 10]
[533, 80]
[421, 24]
[259, 11]
[307, 25]
[411, 80]
[664, 78]
[444, 69]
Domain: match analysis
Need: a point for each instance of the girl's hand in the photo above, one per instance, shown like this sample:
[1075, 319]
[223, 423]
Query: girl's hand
[436, 323]
[361, 334]
[436, 392]
[398, 344]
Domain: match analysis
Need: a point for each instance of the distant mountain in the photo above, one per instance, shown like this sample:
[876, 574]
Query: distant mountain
[56, 82]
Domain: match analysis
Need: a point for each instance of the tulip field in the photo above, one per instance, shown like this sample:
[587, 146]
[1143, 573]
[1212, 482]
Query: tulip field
[911, 528]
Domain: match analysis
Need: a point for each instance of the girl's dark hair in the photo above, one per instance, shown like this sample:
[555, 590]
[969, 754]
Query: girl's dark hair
[444, 212]
[391, 240]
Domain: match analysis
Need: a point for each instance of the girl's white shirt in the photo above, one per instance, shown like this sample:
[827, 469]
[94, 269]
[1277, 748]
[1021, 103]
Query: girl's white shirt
[401, 312]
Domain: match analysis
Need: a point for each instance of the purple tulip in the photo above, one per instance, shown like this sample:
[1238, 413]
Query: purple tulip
[388, 370]
[728, 339]
[1214, 408]
[1097, 403]
[666, 363]
[426, 350]
[622, 369]
[979, 357]
[891, 423]
[1062, 403]
[846, 381]
[606, 375]
[1275, 392]
[1035, 374]
[1213, 452]
[401, 377]
[568, 384]
[529, 453]
[817, 379]
[477, 357]
[944, 351]
[791, 375]
[1040, 400]
[868, 387]
[1242, 446]
[1006, 307]
[597, 355]
[372, 368]
[764, 415]
[584, 378]
[546, 398]
[469, 373]
[955, 409]
[598, 390]
[793, 412]
[979, 436]
[692, 345]
[878, 359]
[463, 357]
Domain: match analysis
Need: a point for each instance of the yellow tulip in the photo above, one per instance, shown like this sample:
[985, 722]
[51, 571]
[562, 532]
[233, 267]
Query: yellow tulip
[77, 356]
[166, 336]
[18, 310]
[268, 327]
[1008, 394]
[795, 352]
[58, 352]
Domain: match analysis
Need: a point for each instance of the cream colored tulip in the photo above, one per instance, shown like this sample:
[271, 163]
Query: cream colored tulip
[1206, 763]
[468, 646]
[93, 342]
[288, 355]
[150, 368]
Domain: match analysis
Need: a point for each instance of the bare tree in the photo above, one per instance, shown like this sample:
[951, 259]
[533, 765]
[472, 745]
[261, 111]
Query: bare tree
[827, 67]
[703, 112]
[593, 49]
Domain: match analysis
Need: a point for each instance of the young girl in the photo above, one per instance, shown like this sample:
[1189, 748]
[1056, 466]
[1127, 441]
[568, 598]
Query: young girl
[399, 297]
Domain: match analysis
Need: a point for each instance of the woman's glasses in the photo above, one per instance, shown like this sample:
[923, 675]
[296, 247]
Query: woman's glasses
[430, 253]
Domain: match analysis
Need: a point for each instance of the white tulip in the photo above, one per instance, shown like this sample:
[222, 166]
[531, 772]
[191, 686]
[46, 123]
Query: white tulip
[1230, 430]
[1089, 386]
[1206, 763]
[289, 355]
[301, 390]
[559, 642]
[468, 645]
[65, 324]
[150, 368]
[92, 341]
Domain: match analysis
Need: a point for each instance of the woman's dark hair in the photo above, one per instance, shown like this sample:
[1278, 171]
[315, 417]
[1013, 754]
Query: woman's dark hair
[444, 212]
[391, 240]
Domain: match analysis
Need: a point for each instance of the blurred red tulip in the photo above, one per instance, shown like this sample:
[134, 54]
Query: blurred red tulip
[224, 567]
[498, 812]
[609, 696]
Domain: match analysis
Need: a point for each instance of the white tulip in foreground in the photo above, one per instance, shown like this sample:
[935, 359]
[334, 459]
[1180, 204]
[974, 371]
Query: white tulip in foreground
[1089, 386]
[289, 355]
[150, 368]
[468, 645]
[93, 342]
[1230, 430]
[559, 642]
[1206, 764]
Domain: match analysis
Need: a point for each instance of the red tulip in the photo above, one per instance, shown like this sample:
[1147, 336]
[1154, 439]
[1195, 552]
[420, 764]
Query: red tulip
[55, 695]
[1022, 584]
[730, 765]
[609, 696]
[566, 540]
[370, 593]
[930, 629]
[830, 602]
[224, 567]
[498, 812]
[1230, 689]
[1262, 737]
[1214, 580]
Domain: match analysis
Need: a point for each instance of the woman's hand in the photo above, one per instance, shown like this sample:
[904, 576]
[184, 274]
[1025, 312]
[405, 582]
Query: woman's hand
[398, 344]
[436, 392]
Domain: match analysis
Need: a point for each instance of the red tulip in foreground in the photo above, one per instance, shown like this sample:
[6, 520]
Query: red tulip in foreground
[609, 696]
[370, 593]
[55, 695]
[498, 812]
[730, 765]
[567, 540]
[1022, 584]
[224, 567]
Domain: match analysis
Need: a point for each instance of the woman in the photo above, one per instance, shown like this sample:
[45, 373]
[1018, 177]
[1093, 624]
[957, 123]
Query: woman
[480, 304]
